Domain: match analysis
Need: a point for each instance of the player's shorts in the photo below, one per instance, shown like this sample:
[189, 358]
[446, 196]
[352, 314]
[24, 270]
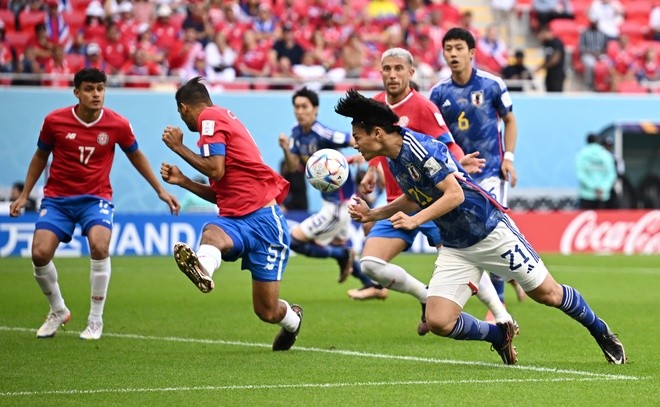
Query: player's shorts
[497, 188]
[384, 228]
[330, 223]
[504, 252]
[60, 215]
[261, 239]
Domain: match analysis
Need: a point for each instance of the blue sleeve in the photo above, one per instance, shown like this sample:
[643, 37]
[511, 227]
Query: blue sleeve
[438, 164]
[501, 99]
[207, 150]
[131, 148]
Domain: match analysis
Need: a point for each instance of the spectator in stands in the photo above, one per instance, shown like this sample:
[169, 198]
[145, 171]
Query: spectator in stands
[287, 46]
[198, 19]
[353, 56]
[503, 17]
[553, 64]
[181, 54]
[94, 57]
[466, 22]
[115, 49]
[253, 58]
[57, 65]
[322, 53]
[145, 42]
[649, 69]
[450, 13]
[94, 28]
[622, 62]
[42, 48]
[609, 16]
[654, 21]
[164, 30]
[221, 58]
[592, 46]
[141, 67]
[144, 11]
[596, 174]
[265, 22]
[33, 6]
[517, 71]
[198, 67]
[126, 21]
[492, 53]
[6, 57]
[548, 10]
[309, 72]
[56, 27]
[16, 189]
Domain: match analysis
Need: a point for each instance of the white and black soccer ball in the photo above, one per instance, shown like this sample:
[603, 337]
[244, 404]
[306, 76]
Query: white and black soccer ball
[327, 170]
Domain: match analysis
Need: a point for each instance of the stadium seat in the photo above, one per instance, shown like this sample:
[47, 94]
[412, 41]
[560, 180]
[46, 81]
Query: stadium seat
[79, 5]
[8, 17]
[635, 31]
[18, 40]
[75, 19]
[638, 11]
[27, 21]
[567, 31]
[601, 77]
[76, 61]
[631, 87]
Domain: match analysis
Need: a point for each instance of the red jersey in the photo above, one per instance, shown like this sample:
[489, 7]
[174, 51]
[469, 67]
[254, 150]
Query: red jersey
[248, 184]
[83, 152]
[418, 114]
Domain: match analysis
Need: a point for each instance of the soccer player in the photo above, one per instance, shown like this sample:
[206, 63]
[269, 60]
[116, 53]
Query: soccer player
[250, 225]
[82, 140]
[473, 102]
[325, 233]
[477, 233]
[384, 242]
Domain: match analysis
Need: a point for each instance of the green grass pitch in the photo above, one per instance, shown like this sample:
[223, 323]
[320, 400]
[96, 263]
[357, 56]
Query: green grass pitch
[165, 343]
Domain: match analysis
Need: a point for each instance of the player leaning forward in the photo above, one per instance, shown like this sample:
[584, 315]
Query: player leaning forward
[250, 225]
[476, 232]
[82, 140]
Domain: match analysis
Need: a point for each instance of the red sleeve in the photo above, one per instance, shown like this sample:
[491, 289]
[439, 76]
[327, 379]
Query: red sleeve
[376, 160]
[456, 150]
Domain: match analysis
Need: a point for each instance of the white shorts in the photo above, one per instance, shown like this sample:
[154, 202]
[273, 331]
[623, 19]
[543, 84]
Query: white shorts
[330, 223]
[497, 188]
[504, 252]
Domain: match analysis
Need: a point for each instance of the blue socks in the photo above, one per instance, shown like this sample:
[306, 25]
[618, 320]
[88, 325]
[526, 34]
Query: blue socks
[498, 283]
[469, 328]
[313, 250]
[577, 308]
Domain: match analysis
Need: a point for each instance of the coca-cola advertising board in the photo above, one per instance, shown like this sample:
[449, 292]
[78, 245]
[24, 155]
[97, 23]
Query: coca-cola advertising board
[607, 231]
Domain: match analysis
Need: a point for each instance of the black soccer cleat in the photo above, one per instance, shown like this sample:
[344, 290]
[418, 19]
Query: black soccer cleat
[284, 339]
[611, 346]
[346, 265]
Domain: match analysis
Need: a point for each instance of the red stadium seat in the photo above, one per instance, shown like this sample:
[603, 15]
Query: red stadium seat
[567, 31]
[79, 5]
[8, 17]
[18, 40]
[638, 11]
[631, 87]
[601, 77]
[635, 31]
[76, 61]
[75, 19]
[27, 20]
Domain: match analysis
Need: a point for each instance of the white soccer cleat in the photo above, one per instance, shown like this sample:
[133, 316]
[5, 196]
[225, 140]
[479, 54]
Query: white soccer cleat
[93, 331]
[53, 322]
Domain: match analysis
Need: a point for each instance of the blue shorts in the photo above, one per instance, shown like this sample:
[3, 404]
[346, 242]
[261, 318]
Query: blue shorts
[60, 215]
[384, 228]
[261, 239]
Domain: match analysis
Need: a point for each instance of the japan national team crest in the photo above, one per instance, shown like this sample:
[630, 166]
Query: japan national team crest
[103, 138]
[477, 97]
[403, 121]
[413, 172]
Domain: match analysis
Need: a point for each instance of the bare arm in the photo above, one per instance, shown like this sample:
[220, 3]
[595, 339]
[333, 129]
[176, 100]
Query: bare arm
[173, 175]
[36, 168]
[510, 138]
[361, 212]
[291, 161]
[213, 166]
[141, 164]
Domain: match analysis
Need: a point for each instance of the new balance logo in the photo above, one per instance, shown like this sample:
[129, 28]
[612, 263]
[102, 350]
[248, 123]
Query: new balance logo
[446, 103]
[70, 136]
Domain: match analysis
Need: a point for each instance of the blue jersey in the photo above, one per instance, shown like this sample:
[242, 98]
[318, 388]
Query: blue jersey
[473, 112]
[319, 137]
[424, 162]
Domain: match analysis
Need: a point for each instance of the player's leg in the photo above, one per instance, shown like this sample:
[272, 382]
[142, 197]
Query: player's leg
[54, 226]
[99, 278]
[487, 294]
[454, 281]
[270, 308]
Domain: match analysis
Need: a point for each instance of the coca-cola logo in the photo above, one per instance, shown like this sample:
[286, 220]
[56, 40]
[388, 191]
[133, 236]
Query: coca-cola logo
[586, 233]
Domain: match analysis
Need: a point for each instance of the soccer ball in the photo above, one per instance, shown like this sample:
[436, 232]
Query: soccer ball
[327, 170]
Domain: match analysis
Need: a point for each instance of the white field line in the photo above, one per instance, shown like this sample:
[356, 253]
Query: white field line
[602, 376]
[292, 386]
[603, 269]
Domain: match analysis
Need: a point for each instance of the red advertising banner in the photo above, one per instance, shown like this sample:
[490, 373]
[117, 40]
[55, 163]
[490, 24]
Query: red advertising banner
[607, 231]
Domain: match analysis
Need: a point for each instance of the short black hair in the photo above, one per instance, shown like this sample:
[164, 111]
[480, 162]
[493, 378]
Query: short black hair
[19, 186]
[91, 75]
[193, 92]
[306, 93]
[367, 113]
[458, 33]
[592, 138]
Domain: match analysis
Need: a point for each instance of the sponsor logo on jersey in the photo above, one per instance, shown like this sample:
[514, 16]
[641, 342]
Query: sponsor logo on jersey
[208, 127]
[403, 121]
[477, 97]
[70, 136]
[413, 172]
[432, 166]
[103, 138]
[446, 103]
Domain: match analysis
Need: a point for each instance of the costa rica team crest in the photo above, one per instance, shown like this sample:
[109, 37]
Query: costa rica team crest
[403, 121]
[102, 139]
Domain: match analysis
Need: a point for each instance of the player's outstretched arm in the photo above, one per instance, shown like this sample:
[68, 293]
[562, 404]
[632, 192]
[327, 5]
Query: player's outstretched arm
[510, 138]
[141, 164]
[213, 166]
[173, 175]
[35, 169]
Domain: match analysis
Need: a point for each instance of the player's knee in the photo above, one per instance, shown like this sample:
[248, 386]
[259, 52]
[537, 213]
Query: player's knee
[40, 254]
[272, 316]
[371, 266]
[547, 294]
[99, 250]
[440, 325]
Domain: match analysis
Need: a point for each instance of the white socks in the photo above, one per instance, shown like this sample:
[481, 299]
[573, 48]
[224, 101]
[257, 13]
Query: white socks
[487, 294]
[392, 276]
[99, 279]
[209, 257]
[291, 320]
[46, 277]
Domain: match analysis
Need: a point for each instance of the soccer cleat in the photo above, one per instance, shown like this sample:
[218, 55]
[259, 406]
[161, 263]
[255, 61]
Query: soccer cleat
[346, 265]
[367, 293]
[506, 350]
[53, 322]
[188, 263]
[611, 346]
[93, 331]
[284, 339]
[423, 327]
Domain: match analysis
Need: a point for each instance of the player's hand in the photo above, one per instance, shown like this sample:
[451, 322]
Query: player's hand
[171, 201]
[172, 137]
[359, 210]
[368, 183]
[171, 174]
[509, 173]
[16, 206]
[355, 159]
[472, 164]
[401, 220]
[283, 141]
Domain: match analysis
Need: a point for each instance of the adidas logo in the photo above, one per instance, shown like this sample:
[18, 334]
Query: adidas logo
[446, 103]
[70, 136]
